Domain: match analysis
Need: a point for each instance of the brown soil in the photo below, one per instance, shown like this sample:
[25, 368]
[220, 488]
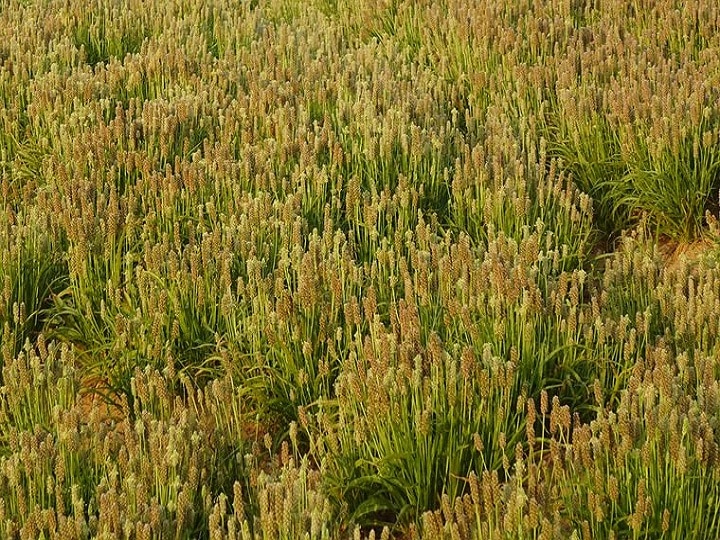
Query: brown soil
[675, 253]
[95, 396]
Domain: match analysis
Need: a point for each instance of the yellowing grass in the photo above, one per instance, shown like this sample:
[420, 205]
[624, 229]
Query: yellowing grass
[281, 270]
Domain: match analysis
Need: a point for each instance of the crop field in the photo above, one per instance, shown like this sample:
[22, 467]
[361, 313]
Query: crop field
[363, 269]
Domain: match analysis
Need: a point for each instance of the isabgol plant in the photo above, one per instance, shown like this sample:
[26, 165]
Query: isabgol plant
[359, 270]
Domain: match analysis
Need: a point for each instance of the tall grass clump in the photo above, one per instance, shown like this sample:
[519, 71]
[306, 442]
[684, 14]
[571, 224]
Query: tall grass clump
[430, 388]
[401, 433]
[650, 468]
[32, 272]
[71, 465]
[621, 471]
[640, 132]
